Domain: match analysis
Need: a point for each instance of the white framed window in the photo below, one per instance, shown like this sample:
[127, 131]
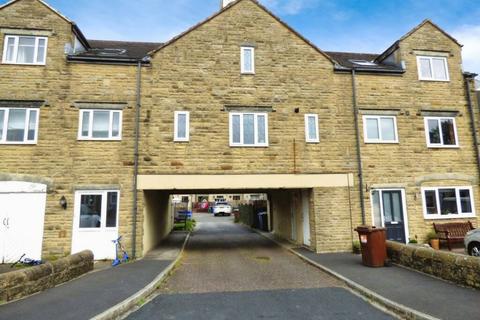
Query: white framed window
[18, 125]
[441, 132]
[448, 202]
[380, 129]
[311, 128]
[248, 129]
[181, 126]
[100, 125]
[25, 50]
[247, 60]
[432, 68]
[97, 209]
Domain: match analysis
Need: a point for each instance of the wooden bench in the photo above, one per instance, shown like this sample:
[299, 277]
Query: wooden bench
[452, 232]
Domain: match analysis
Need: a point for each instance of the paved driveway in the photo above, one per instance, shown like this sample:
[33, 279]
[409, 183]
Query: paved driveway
[230, 272]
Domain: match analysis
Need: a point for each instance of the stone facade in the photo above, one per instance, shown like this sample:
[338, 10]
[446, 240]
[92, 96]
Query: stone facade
[410, 164]
[58, 158]
[199, 72]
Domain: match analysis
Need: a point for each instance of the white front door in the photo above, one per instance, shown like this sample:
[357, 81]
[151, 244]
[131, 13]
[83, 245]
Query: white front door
[95, 223]
[306, 217]
[22, 213]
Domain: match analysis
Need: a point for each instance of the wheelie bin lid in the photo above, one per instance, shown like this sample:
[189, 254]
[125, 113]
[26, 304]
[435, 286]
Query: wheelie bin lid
[367, 229]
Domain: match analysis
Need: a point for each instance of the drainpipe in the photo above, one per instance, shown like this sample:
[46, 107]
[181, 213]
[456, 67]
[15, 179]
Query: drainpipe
[467, 77]
[359, 155]
[135, 159]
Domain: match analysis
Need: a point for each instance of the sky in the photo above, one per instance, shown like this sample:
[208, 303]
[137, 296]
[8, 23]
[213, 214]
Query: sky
[368, 26]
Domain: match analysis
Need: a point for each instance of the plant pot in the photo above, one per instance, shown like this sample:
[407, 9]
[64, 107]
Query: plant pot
[435, 244]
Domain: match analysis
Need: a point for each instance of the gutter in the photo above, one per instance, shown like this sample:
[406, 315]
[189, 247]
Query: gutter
[131, 61]
[357, 138]
[369, 70]
[135, 156]
[468, 77]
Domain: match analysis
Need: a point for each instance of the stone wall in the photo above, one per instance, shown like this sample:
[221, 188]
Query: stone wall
[21, 283]
[458, 268]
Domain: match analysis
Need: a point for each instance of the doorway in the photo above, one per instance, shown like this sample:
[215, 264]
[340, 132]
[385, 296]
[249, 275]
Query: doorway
[95, 223]
[389, 211]
[306, 217]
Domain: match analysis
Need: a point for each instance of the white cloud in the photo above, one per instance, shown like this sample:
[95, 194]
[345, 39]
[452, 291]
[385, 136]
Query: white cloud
[469, 36]
[290, 7]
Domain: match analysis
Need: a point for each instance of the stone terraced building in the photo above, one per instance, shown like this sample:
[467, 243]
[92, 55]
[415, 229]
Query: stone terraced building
[95, 136]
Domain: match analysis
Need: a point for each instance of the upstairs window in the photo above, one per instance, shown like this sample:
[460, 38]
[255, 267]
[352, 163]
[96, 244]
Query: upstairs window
[181, 126]
[432, 68]
[18, 126]
[441, 132]
[380, 129]
[247, 60]
[248, 129]
[25, 50]
[311, 128]
[100, 125]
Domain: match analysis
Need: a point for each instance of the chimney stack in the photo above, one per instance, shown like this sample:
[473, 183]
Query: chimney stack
[226, 3]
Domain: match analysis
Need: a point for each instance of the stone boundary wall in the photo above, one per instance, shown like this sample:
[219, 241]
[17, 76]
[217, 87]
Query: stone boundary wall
[458, 268]
[23, 282]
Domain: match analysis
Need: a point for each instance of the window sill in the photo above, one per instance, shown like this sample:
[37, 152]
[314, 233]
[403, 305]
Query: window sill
[248, 146]
[25, 64]
[313, 142]
[443, 147]
[381, 142]
[247, 73]
[434, 80]
[18, 143]
[449, 217]
[93, 139]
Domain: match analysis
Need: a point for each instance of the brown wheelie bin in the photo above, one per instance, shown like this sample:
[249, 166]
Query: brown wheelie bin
[374, 248]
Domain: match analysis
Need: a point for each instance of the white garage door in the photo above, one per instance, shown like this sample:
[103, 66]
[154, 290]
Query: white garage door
[22, 212]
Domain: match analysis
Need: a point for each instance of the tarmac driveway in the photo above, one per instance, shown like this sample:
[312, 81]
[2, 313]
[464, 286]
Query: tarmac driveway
[230, 272]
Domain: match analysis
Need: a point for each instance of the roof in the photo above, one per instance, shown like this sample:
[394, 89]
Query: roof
[362, 62]
[115, 51]
[45, 4]
[75, 28]
[231, 5]
[396, 44]
[424, 22]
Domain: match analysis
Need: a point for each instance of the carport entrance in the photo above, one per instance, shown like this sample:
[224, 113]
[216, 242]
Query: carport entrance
[290, 201]
[286, 213]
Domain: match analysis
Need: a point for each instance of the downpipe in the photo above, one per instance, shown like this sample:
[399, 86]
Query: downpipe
[135, 159]
[467, 77]
[357, 138]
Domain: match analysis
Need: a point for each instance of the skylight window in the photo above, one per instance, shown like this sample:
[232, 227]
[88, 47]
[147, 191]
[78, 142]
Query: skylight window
[363, 62]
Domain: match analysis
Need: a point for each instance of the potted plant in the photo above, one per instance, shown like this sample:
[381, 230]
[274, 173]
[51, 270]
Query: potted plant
[433, 239]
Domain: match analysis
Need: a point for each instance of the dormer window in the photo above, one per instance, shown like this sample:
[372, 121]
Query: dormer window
[432, 68]
[247, 60]
[25, 50]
